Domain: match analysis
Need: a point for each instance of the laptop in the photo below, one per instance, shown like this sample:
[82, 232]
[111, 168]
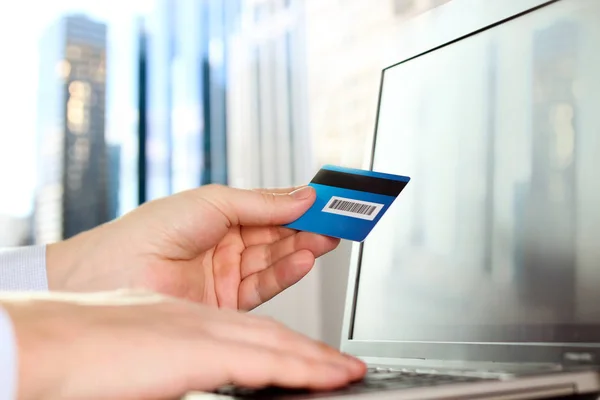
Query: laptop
[483, 279]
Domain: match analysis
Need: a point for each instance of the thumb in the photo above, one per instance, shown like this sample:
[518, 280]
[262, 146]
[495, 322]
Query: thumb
[250, 207]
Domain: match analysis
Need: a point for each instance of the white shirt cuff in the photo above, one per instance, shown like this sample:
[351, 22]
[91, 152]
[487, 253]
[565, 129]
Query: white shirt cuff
[23, 269]
[8, 358]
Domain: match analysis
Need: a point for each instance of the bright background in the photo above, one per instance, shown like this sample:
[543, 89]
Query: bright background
[250, 93]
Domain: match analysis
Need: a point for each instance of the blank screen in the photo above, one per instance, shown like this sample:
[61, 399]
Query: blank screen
[497, 236]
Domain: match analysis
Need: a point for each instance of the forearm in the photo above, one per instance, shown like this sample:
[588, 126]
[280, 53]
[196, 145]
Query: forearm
[30, 360]
[64, 259]
[26, 274]
[60, 257]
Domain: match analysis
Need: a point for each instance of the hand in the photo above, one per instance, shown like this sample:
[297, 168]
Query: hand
[216, 245]
[134, 346]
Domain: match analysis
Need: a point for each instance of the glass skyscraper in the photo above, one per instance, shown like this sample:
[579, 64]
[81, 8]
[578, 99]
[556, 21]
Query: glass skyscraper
[185, 104]
[269, 133]
[72, 193]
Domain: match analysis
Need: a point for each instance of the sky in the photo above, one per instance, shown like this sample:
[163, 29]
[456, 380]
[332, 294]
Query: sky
[22, 24]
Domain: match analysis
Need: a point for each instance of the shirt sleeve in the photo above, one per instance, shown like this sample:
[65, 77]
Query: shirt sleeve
[23, 269]
[8, 358]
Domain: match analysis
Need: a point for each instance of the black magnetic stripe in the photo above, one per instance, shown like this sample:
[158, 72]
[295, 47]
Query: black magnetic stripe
[370, 184]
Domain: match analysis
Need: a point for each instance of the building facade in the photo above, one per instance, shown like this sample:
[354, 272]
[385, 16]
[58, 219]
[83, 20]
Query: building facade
[186, 63]
[269, 137]
[72, 194]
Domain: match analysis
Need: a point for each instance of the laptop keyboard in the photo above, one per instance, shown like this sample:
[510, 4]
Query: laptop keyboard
[375, 380]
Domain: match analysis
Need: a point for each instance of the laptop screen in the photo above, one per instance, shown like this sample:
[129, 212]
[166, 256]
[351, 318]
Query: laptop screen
[497, 237]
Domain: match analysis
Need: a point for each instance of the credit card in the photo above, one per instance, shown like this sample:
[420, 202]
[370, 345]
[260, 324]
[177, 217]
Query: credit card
[349, 202]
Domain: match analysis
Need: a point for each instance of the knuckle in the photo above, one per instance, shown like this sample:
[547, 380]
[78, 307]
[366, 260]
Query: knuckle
[217, 197]
[213, 188]
[268, 198]
[281, 337]
[300, 368]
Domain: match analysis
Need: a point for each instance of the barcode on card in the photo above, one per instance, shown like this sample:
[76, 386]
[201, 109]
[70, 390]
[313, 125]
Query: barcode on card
[353, 208]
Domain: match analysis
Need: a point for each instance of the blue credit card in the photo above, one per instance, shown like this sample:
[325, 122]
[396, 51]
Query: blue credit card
[349, 202]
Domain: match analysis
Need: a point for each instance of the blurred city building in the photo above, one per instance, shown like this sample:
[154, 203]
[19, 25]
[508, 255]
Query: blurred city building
[113, 179]
[269, 136]
[72, 194]
[186, 94]
[250, 93]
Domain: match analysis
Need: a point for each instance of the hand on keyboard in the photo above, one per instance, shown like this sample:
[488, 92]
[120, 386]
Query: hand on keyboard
[375, 380]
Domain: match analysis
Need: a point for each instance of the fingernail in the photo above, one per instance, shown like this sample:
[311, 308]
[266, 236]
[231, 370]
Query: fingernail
[302, 193]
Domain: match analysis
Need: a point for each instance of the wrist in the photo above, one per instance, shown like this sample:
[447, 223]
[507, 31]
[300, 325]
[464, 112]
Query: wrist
[65, 257]
[58, 261]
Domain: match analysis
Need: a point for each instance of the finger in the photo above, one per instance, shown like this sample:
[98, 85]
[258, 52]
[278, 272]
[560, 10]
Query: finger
[264, 285]
[225, 267]
[257, 366]
[253, 235]
[248, 207]
[258, 258]
[261, 331]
